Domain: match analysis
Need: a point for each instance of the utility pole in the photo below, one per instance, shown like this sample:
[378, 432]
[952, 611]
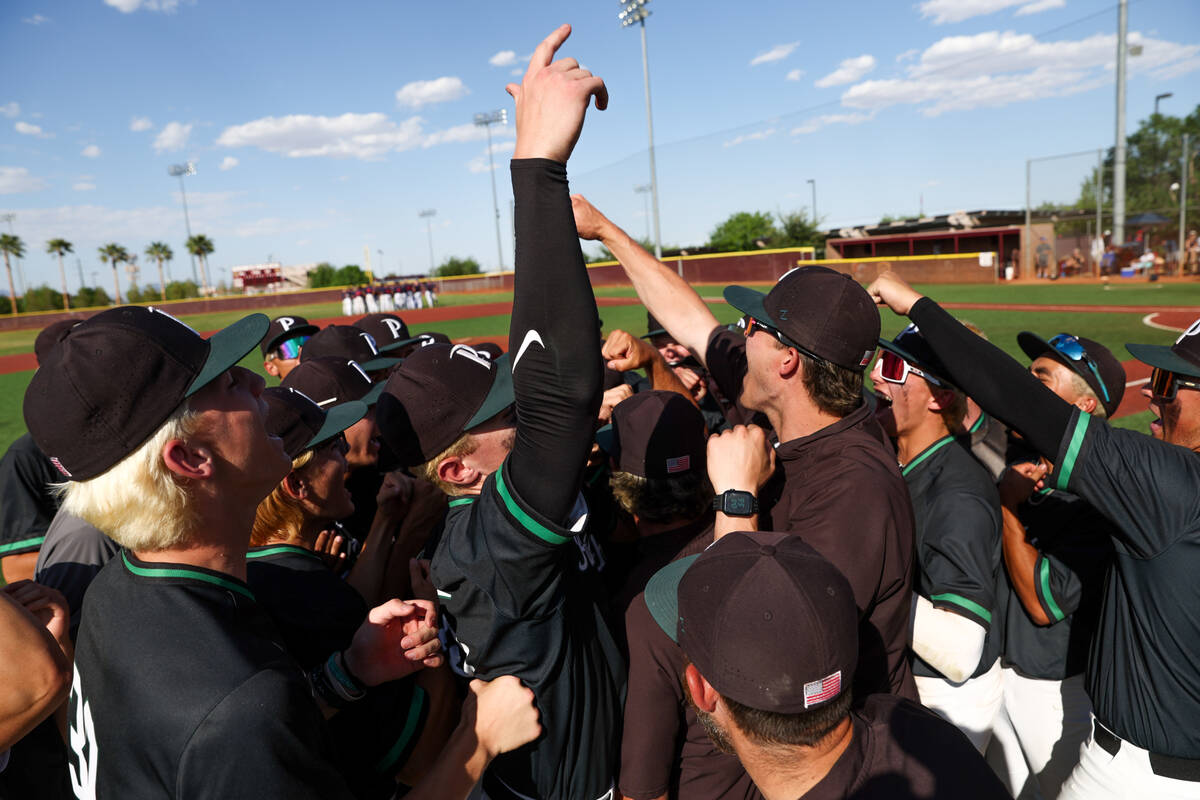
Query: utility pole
[1183, 191]
[428, 215]
[1118, 228]
[1099, 208]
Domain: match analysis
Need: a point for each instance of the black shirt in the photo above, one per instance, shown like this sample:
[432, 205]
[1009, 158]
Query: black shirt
[506, 580]
[1143, 676]
[183, 689]
[71, 556]
[958, 541]
[841, 491]
[1074, 551]
[27, 504]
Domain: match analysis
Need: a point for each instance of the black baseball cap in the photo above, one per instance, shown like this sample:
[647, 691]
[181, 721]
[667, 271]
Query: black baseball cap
[489, 349]
[348, 343]
[1098, 367]
[49, 337]
[389, 330]
[284, 328]
[432, 337]
[1182, 358]
[910, 345]
[113, 380]
[301, 423]
[439, 393]
[332, 381]
[824, 311]
[764, 617]
[656, 434]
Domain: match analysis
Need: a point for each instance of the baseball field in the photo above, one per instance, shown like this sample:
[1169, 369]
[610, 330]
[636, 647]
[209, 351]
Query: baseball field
[1112, 314]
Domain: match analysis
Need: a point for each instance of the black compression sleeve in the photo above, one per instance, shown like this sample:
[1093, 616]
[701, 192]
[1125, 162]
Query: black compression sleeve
[557, 370]
[1001, 386]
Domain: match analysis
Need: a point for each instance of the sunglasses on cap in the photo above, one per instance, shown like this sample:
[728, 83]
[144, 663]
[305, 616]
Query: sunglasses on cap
[290, 348]
[750, 324]
[1165, 384]
[1070, 347]
[894, 369]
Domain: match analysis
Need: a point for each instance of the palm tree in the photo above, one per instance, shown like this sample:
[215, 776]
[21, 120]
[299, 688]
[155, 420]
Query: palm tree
[58, 247]
[11, 245]
[160, 252]
[200, 245]
[115, 254]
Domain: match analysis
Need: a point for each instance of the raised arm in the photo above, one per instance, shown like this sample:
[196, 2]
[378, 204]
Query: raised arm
[557, 371]
[667, 296]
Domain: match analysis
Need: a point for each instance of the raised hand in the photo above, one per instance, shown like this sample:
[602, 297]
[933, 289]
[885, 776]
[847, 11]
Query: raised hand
[740, 458]
[623, 351]
[890, 290]
[551, 100]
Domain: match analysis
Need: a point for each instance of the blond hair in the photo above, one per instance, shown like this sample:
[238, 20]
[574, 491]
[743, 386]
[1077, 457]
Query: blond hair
[139, 502]
[279, 516]
[462, 446]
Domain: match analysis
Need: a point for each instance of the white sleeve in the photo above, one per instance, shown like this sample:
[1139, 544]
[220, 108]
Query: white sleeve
[948, 642]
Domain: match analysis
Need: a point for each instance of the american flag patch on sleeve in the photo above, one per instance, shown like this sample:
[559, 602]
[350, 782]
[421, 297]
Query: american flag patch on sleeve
[681, 464]
[825, 689]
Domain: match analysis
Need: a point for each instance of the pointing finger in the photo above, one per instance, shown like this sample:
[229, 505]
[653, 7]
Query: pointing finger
[545, 51]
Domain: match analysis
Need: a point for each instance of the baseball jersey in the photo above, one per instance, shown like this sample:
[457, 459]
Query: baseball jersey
[957, 514]
[182, 689]
[989, 443]
[71, 556]
[1143, 677]
[27, 504]
[506, 581]
[1074, 551]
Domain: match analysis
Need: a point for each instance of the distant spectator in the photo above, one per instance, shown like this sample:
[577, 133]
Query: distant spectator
[1044, 256]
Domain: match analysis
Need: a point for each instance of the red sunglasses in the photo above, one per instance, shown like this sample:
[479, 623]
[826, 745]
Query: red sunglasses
[894, 369]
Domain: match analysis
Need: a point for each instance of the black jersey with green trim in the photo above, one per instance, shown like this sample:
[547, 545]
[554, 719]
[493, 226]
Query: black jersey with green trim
[512, 603]
[1144, 673]
[183, 689]
[27, 503]
[1074, 551]
[957, 513]
[316, 612]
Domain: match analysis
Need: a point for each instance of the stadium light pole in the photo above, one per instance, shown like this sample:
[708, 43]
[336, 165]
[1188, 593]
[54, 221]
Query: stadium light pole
[1181, 257]
[1158, 97]
[1118, 228]
[635, 11]
[428, 215]
[486, 120]
[179, 171]
[644, 191]
[813, 183]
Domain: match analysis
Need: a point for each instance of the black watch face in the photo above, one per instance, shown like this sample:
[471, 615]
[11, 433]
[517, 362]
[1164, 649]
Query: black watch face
[739, 504]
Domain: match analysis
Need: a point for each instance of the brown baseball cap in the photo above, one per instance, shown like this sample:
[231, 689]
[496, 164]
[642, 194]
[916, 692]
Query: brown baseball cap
[49, 337]
[1092, 361]
[330, 381]
[824, 312]
[284, 328]
[347, 342]
[764, 617]
[389, 330]
[301, 423]
[656, 434]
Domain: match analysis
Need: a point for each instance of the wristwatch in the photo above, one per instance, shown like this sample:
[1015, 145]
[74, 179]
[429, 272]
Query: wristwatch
[736, 503]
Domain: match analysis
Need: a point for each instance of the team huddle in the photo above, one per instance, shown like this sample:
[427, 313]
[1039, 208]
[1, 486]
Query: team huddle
[783, 558]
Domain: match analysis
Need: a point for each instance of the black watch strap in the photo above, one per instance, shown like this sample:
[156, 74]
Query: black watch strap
[736, 503]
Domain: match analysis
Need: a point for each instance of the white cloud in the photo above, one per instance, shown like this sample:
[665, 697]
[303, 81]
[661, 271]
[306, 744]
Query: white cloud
[850, 70]
[83, 186]
[795, 75]
[505, 58]
[91, 151]
[129, 6]
[944, 11]
[138, 124]
[173, 136]
[363, 136]
[993, 69]
[757, 136]
[816, 123]
[15, 180]
[907, 55]
[468, 132]
[228, 163]
[483, 164]
[423, 93]
[10, 110]
[26, 129]
[776, 53]
[36, 19]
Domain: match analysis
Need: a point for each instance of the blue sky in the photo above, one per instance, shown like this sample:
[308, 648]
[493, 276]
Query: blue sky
[318, 129]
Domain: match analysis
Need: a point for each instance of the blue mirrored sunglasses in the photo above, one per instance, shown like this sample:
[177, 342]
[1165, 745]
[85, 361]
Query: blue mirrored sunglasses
[1069, 346]
[290, 348]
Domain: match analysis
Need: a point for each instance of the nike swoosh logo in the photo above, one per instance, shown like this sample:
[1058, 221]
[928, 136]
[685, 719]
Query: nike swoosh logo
[530, 337]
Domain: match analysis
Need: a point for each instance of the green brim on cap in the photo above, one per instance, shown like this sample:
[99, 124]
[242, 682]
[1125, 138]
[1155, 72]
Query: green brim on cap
[747, 301]
[499, 397]
[1163, 357]
[372, 397]
[228, 346]
[653, 333]
[379, 363]
[337, 419]
[606, 438]
[662, 595]
[399, 344]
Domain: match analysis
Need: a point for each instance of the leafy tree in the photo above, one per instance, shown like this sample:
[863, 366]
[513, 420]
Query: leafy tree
[322, 275]
[115, 254]
[797, 229]
[201, 246]
[457, 266]
[11, 246]
[350, 275]
[160, 252]
[743, 231]
[58, 247]
[92, 296]
[42, 298]
[181, 290]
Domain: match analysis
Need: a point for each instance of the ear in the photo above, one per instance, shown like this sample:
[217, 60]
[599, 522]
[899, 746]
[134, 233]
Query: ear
[295, 486]
[789, 363]
[194, 462]
[940, 399]
[271, 368]
[704, 696]
[1086, 404]
[454, 470]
